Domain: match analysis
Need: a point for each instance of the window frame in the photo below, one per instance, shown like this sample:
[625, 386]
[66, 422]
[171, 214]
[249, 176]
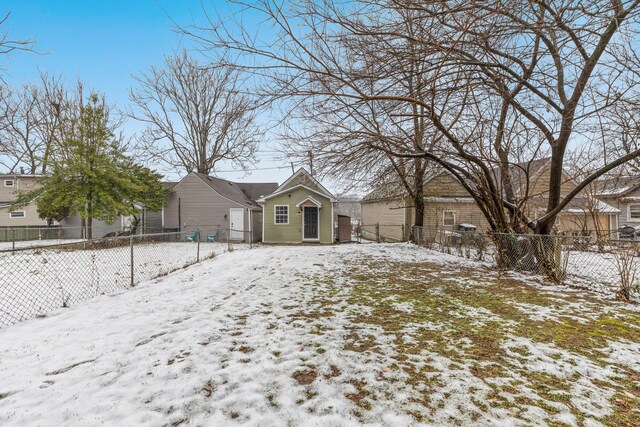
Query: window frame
[12, 181]
[444, 213]
[629, 217]
[11, 216]
[275, 214]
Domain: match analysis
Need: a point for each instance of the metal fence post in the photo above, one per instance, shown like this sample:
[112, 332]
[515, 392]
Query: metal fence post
[131, 251]
[377, 232]
[198, 250]
[13, 242]
[228, 240]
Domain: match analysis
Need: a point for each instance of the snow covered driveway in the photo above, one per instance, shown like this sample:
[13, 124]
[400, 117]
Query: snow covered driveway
[342, 335]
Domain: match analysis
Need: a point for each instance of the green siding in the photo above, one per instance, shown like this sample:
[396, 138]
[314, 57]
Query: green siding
[292, 232]
[307, 183]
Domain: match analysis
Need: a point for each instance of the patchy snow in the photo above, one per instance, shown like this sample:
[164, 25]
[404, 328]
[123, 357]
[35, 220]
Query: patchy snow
[35, 243]
[242, 339]
[33, 282]
[597, 270]
[627, 354]
[584, 395]
[541, 313]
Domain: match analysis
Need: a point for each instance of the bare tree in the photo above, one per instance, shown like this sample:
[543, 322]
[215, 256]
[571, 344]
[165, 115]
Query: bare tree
[345, 135]
[9, 44]
[507, 82]
[31, 122]
[20, 144]
[196, 116]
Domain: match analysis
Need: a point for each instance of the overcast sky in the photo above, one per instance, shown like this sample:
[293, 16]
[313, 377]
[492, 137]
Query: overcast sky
[103, 43]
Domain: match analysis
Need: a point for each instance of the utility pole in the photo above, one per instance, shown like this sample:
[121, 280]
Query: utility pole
[311, 162]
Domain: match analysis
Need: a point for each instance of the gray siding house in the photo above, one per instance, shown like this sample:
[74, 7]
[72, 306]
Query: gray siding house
[622, 193]
[211, 204]
[23, 217]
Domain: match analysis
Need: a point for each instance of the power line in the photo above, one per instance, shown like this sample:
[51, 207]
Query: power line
[252, 170]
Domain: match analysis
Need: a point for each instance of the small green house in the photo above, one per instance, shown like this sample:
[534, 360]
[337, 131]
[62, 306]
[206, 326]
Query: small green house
[301, 210]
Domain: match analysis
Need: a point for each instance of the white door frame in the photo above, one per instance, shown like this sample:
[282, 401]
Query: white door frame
[318, 219]
[236, 231]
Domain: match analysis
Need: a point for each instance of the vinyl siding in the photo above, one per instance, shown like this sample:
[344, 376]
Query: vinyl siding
[390, 215]
[575, 222]
[623, 204]
[301, 180]
[465, 213]
[292, 232]
[73, 227]
[444, 185]
[200, 207]
[30, 219]
[21, 183]
[539, 183]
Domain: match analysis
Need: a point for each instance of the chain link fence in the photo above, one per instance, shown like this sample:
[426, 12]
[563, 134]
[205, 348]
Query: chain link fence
[40, 278]
[585, 259]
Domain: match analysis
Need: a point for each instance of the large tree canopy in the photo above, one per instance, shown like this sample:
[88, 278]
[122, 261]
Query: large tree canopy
[499, 84]
[195, 116]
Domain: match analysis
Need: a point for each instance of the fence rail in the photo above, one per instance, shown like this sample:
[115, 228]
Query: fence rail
[37, 279]
[381, 232]
[588, 260]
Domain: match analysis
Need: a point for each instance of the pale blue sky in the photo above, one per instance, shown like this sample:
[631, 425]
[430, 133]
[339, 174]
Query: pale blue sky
[103, 43]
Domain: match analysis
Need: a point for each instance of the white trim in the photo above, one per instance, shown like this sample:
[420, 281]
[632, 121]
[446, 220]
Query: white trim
[629, 219]
[317, 239]
[12, 181]
[250, 225]
[309, 199]
[454, 218]
[24, 214]
[274, 215]
[333, 225]
[290, 189]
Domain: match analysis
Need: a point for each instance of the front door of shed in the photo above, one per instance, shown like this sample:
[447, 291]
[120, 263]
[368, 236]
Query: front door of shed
[236, 224]
[310, 223]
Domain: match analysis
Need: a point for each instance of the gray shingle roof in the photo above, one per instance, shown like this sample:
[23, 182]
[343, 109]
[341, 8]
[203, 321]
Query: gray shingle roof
[240, 192]
[617, 186]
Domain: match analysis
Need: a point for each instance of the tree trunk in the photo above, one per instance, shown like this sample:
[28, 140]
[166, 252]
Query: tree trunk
[418, 198]
[89, 221]
[555, 187]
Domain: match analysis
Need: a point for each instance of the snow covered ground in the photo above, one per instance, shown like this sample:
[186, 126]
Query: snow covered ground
[33, 282]
[35, 243]
[375, 334]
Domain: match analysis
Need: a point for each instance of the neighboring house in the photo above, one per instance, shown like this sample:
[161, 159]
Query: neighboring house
[23, 217]
[448, 204]
[150, 222]
[301, 210]
[212, 205]
[72, 226]
[622, 193]
[584, 215]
